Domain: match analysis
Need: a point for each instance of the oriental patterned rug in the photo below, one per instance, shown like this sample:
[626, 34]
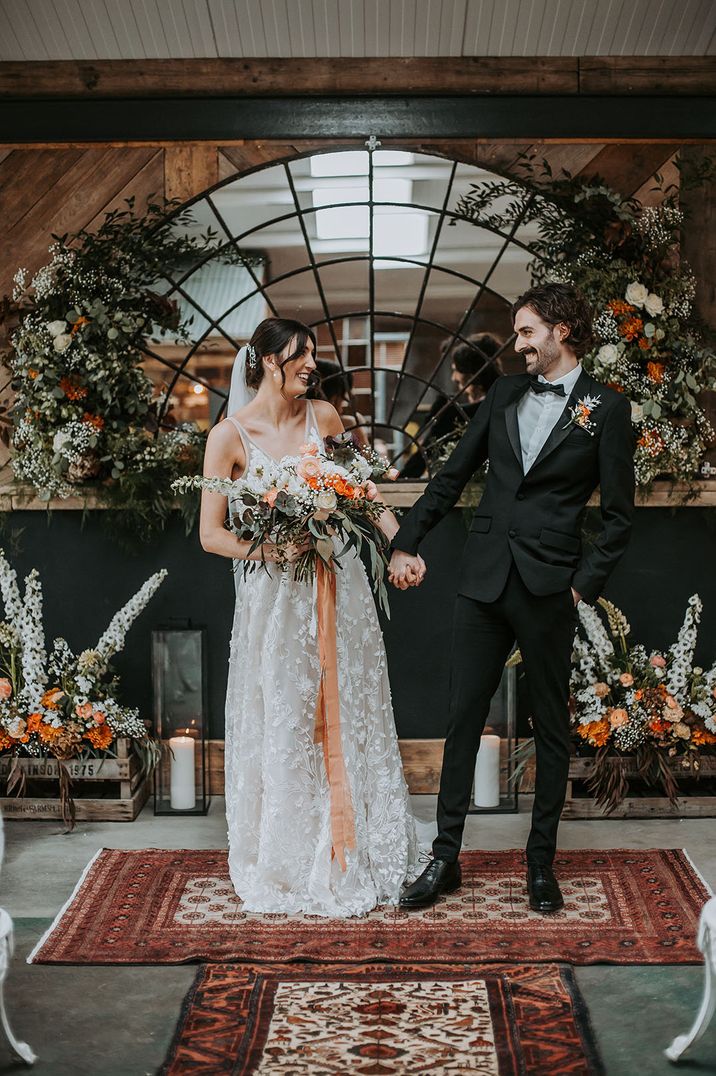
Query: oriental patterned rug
[495, 1019]
[167, 907]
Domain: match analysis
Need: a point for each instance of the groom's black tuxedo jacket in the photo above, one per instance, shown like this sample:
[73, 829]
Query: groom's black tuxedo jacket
[535, 518]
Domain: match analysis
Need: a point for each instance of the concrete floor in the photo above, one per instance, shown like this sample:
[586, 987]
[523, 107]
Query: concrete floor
[114, 1021]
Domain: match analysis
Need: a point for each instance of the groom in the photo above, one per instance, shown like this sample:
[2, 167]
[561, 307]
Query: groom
[551, 435]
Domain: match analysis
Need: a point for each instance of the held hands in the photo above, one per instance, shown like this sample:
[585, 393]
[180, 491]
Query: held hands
[406, 570]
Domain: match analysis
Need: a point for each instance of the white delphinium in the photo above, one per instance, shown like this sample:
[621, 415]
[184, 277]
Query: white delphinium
[681, 654]
[112, 641]
[597, 636]
[10, 595]
[33, 656]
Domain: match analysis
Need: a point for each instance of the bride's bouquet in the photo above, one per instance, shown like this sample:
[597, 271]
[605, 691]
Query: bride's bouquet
[324, 499]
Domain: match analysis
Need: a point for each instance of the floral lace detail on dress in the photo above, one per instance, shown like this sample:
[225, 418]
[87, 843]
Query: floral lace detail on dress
[277, 796]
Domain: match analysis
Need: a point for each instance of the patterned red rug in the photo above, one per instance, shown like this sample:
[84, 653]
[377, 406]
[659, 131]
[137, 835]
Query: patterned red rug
[383, 1019]
[167, 907]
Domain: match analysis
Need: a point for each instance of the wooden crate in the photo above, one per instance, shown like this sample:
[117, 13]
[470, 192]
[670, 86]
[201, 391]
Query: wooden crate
[645, 803]
[103, 789]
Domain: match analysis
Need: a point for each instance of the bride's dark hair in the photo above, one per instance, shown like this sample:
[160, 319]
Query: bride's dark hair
[270, 338]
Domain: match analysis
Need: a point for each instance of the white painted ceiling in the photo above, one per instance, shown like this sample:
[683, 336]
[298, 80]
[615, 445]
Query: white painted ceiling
[137, 29]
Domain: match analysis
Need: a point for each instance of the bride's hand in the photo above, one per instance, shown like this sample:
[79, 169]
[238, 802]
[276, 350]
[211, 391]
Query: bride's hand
[294, 550]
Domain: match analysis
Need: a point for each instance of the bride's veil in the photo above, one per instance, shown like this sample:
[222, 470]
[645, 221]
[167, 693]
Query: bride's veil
[239, 392]
[239, 395]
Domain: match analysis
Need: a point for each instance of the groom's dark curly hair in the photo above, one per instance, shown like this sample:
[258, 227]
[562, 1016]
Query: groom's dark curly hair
[561, 304]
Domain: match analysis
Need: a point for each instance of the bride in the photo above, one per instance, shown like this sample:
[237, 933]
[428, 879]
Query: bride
[279, 800]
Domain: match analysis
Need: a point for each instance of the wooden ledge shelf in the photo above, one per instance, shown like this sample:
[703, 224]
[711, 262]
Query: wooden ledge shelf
[16, 498]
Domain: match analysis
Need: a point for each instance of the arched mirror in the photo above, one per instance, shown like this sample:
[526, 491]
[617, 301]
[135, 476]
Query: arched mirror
[409, 300]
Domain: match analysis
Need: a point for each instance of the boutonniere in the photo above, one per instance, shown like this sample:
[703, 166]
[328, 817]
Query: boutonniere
[581, 414]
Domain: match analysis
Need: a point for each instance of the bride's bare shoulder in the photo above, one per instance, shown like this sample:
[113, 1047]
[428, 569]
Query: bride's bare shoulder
[328, 419]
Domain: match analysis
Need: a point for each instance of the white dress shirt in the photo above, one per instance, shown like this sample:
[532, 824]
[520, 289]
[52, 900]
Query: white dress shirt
[538, 412]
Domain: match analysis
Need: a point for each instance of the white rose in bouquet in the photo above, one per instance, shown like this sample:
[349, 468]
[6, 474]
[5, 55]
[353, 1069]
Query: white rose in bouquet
[636, 293]
[608, 354]
[653, 304]
[326, 500]
[62, 342]
[55, 328]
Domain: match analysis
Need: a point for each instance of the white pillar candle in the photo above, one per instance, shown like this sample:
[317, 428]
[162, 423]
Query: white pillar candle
[487, 772]
[182, 786]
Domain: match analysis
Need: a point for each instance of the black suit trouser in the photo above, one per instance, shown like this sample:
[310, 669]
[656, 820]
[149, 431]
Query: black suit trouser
[483, 635]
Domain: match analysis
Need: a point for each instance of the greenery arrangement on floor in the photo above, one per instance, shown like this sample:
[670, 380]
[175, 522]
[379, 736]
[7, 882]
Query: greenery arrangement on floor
[625, 258]
[63, 705]
[86, 415]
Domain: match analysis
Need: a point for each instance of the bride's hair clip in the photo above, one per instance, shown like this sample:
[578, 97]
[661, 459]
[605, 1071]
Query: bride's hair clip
[253, 358]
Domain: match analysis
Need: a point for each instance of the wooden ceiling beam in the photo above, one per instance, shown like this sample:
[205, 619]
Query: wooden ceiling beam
[444, 75]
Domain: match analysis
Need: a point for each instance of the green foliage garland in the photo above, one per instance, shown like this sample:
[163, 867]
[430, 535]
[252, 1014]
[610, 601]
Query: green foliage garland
[86, 415]
[625, 258]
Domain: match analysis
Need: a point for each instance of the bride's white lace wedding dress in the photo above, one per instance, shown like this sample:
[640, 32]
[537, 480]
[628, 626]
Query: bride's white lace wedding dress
[278, 802]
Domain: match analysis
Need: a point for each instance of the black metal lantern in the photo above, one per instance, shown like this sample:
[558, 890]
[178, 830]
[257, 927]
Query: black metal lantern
[179, 681]
[495, 788]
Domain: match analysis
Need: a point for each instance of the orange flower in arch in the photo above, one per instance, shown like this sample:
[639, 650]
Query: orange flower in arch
[93, 420]
[620, 306]
[631, 328]
[77, 325]
[644, 343]
[72, 390]
[655, 371]
[33, 722]
[32, 374]
[5, 741]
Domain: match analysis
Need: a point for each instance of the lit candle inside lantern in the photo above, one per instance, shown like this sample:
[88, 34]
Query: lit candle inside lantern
[182, 786]
[487, 772]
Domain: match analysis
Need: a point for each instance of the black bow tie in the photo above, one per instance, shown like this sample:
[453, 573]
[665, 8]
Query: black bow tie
[546, 386]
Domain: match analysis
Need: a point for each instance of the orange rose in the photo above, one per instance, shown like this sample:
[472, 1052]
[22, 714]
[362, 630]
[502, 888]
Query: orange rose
[601, 690]
[84, 711]
[270, 497]
[626, 679]
[99, 717]
[5, 688]
[618, 717]
[308, 450]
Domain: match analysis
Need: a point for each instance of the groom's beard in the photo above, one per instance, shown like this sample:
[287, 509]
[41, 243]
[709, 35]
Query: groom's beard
[540, 359]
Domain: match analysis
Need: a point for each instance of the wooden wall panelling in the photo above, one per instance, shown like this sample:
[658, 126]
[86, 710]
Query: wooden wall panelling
[627, 168]
[26, 175]
[71, 203]
[189, 170]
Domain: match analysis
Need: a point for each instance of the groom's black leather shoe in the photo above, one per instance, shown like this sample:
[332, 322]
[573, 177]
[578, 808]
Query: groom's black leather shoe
[438, 877]
[543, 889]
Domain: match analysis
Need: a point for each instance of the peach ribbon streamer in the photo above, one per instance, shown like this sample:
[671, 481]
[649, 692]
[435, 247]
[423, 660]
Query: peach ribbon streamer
[328, 721]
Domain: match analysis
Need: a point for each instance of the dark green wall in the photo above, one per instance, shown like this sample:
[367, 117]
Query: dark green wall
[86, 578]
